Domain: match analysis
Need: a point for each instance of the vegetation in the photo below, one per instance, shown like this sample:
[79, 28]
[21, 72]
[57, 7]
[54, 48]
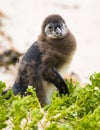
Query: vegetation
[78, 111]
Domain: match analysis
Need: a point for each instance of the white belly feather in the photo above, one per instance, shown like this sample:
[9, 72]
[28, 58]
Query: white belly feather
[49, 88]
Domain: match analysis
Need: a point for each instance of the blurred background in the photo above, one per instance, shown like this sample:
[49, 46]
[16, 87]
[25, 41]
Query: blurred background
[20, 24]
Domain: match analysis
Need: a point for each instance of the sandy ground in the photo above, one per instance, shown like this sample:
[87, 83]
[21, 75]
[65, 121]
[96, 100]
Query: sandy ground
[82, 18]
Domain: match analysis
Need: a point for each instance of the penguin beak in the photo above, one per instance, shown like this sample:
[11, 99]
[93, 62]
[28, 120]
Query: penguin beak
[58, 31]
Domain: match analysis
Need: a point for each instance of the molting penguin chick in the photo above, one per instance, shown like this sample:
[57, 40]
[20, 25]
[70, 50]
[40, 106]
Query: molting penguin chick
[43, 62]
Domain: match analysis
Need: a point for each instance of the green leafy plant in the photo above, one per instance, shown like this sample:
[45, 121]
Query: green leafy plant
[78, 111]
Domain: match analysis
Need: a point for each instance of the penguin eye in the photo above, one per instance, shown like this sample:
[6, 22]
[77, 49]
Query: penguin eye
[50, 27]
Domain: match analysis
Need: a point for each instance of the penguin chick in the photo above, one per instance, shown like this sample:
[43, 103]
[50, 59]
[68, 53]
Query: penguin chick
[42, 64]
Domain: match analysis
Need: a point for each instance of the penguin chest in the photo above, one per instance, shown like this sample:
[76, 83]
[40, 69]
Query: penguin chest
[64, 67]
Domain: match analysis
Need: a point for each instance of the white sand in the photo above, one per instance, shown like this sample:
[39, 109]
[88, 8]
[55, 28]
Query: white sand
[82, 17]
